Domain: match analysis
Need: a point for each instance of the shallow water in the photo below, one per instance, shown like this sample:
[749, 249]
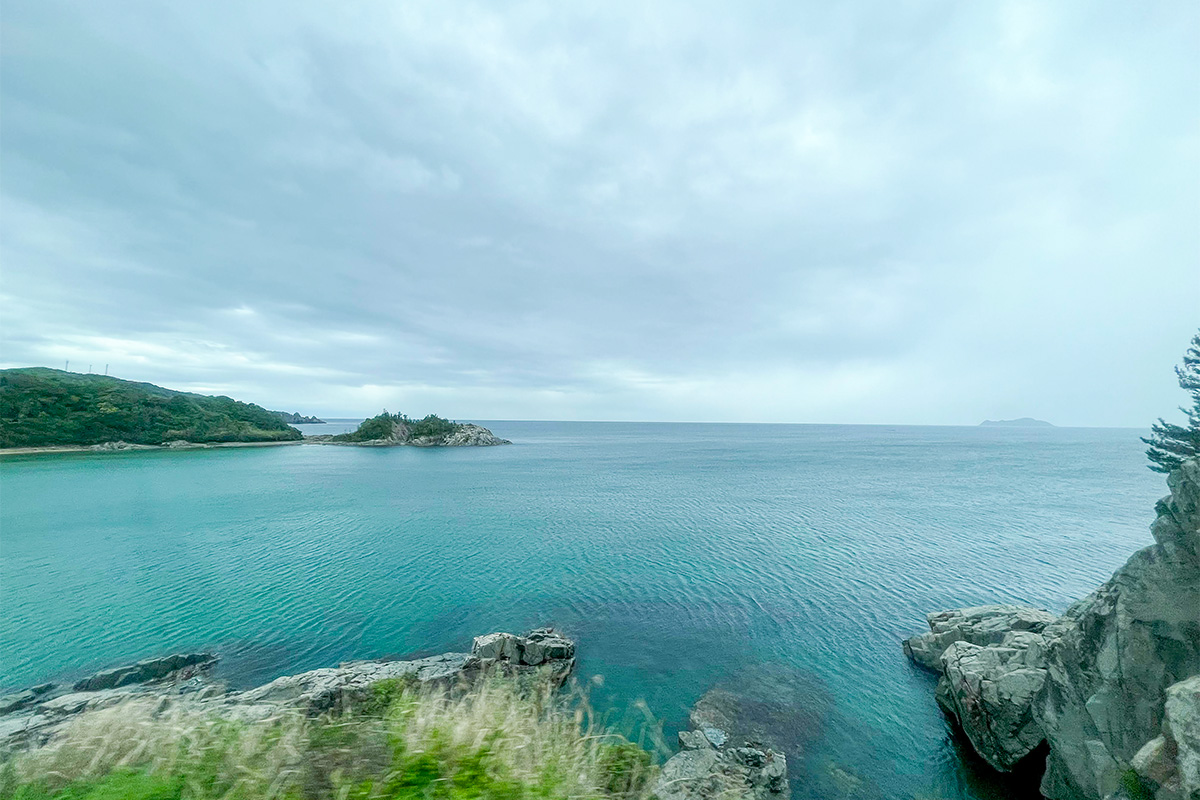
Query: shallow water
[787, 560]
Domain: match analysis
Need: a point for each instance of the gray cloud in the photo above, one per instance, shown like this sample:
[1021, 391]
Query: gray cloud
[898, 213]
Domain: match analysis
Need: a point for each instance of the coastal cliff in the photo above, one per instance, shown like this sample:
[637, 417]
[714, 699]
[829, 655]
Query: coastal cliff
[1108, 687]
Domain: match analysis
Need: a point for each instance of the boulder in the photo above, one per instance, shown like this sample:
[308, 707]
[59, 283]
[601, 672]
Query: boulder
[981, 625]
[1170, 762]
[153, 669]
[707, 774]
[539, 647]
[991, 692]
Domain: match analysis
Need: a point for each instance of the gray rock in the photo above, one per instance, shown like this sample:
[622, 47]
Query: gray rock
[153, 669]
[991, 691]
[981, 625]
[314, 692]
[1112, 655]
[499, 646]
[539, 647]
[707, 774]
[1097, 681]
[23, 699]
[694, 740]
[334, 688]
[471, 435]
[78, 702]
[1170, 762]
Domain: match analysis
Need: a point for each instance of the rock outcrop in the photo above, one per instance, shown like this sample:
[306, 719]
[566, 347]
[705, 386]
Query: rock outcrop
[1096, 683]
[471, 435]
[34, 716]
[152, 669]
[742, 732]
[991, 691]
[710, 765]
[981, 625]
[1169, 764]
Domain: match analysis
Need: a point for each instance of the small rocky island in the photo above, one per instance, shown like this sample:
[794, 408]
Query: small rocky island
[1109, 691]
[398, 430]
[1023, 422]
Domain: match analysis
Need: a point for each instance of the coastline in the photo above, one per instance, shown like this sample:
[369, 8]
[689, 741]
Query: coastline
[94, 448]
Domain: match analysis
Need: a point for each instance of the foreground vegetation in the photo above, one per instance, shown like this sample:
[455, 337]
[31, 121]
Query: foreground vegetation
[380, 427]
[42, 407]
[1172, 444]
[496, 742]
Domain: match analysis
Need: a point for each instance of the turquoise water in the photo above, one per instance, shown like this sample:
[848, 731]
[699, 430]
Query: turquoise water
[680, 556]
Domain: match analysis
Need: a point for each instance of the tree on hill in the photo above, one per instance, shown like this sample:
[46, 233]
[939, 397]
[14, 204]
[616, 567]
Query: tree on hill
[46, 407]
[1171, 444]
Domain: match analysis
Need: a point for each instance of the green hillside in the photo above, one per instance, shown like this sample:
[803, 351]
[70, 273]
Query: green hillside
[41, 406]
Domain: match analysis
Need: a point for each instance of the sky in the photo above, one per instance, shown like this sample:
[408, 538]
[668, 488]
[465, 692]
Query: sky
[893, 212]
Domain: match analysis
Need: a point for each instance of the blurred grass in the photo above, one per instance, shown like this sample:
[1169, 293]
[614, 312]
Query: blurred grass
[497, 741]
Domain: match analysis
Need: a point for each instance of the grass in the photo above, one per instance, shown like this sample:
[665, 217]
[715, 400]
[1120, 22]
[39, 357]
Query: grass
[496, 742]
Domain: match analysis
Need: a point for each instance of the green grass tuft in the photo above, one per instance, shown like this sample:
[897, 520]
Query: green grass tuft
[498, 741]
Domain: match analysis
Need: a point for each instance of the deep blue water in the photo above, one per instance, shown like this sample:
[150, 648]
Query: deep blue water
[680, 556]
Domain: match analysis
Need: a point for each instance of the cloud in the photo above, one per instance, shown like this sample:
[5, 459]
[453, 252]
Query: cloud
[787, 212]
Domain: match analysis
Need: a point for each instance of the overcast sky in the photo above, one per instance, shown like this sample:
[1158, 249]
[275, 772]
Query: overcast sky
[796, 212]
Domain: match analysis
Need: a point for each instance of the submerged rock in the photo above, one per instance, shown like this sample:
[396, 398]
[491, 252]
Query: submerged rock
[773, 706]
[706, 772]
[152, 669]
[1095, 683]
[744, 730]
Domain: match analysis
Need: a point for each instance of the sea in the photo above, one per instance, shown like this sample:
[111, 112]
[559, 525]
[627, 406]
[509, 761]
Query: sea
[782, 562]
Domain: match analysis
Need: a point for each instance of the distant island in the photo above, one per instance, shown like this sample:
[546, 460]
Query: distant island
[396, 430]
[42, 407]
[1023, 422]
[294, 418]
[49, 409]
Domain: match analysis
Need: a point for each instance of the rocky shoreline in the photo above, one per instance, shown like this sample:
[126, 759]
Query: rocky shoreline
[31, 718]
[711, 763]
[1110, 690]
[467, 435]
